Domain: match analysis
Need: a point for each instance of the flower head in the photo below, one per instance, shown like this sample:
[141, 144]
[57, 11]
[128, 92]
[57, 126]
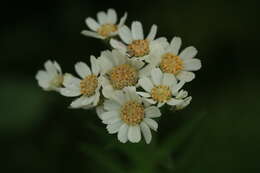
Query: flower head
[181, 64]
[87, 87]
[118, 71]
[135, 45]
[127, 115]
[51, 79]
[106, 25]
[161, 88]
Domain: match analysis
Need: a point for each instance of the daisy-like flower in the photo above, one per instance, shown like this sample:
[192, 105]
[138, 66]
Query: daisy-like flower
[127, 115]
[180, 64]
[161, 88]
[118, 71]
[106, 25]
[87, 87]
[135, 45]
[51, 78]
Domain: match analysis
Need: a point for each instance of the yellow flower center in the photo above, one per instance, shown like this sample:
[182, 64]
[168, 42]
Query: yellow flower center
[171, 63]
[139, 48]
[88, 85]
[106, 29]
[123, 75]
[161, 93]
[132, 113]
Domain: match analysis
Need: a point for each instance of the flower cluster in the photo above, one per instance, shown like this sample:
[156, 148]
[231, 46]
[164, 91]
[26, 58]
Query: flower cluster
[129, 84]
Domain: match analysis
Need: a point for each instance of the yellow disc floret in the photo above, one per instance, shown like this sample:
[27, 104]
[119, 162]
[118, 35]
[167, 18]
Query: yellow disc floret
[139, 48]
[132, 113]
[171, 63]
[161, 93]
[122, 76]
[88, 85]
[106, 29]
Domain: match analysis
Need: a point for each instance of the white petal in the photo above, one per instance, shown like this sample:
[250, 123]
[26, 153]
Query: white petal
[157, 76]
[57, 66]
[169, 79]
[185, 103]
[177, 87]
[146, 84]
[137, 30]
[123, 133]
[43, 76]
[188, 53]
[152, 33]
[82, 69]
[125, 34]
[137, 63]
[102, 17]
[144, 94]
[111, 105]
[146, 71]
[50, 68]
[152, 112]
[185, 76]
[151, 123]
[122, 20]
[114, 128]
[94, 65]
[134, 134]
[175, 45]
[118, 45]
[192, 64]
[146, 132]
[119, 97]
[96, 99]
[77, 103]
[92, 34]
[151, 101]
[92, 24]
[112, 16]
[160, 104]
[88, 100]
[174, 102]
[70, 81]
[100, 110]
[70, 92]
[118, 57]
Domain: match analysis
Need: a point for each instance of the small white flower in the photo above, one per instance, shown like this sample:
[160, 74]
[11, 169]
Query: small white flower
[106, 25]
[126, 115]
[136, 45]
[161, 88]
[52, 78]
[118, 71]
[180, 64]
[87, 87]
[183, 95]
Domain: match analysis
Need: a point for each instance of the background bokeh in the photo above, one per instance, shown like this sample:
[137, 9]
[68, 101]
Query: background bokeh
[218, 132]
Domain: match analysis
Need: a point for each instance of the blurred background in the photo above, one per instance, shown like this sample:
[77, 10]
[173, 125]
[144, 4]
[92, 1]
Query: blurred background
[218, 132]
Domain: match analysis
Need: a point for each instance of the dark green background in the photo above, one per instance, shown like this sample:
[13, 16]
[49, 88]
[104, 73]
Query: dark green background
[218, 132]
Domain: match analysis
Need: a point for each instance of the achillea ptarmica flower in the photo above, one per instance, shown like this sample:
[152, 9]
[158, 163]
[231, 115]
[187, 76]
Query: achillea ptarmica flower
[161, 88]
[118, 71]
[137, 77]
[106, 25]
[181, 64]
[126, 115]
[87, 87]
[52, 78]
[135, 45]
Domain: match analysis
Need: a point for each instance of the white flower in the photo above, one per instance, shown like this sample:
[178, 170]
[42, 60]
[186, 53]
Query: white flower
[180, 64]
[118, 71]
[126, 115]
[136, 45]
[183, 95]
[52, 78]
[161, 88]
[106, 25]
[87, 87]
